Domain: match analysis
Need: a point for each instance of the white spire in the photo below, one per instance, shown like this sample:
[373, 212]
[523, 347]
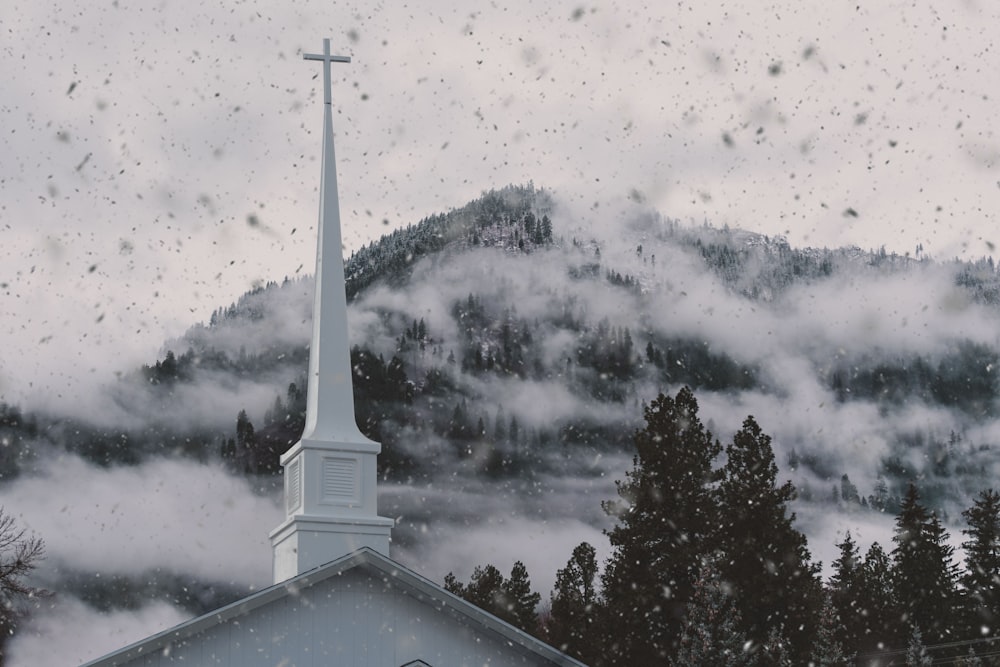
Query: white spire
[330, 474]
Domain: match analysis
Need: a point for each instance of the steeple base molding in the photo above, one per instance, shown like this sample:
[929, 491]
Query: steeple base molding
[304, 542]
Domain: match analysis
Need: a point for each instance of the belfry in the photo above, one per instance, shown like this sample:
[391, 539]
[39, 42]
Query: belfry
[330, 474]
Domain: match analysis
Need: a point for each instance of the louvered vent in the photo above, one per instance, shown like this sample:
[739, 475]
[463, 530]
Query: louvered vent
[293, 485]
[340, 480]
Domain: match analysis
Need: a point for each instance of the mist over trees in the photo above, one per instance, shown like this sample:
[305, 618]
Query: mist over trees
[510, 347]
[707, 567]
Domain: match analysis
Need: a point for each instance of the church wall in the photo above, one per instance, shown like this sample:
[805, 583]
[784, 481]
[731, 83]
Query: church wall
[353, 619]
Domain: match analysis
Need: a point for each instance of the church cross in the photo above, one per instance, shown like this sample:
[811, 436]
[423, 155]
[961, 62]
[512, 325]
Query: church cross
[327, 59]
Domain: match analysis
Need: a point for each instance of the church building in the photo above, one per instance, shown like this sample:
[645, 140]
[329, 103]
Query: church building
[337, 598]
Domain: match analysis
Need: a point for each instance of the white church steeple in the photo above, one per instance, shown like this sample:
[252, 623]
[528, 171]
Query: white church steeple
[330, 474]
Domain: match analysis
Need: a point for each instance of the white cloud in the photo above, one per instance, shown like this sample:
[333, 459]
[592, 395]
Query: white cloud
[181, 516]
[44, 640]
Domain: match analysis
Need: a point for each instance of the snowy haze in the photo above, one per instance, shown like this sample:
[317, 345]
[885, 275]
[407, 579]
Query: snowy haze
[160, 161]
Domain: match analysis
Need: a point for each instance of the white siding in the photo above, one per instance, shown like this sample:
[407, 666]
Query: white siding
[353, 619]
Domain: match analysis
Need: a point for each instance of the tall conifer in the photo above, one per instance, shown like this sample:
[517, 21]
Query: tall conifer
[827, 649]
[881, 619]
[764, 555]
[572, 623]
[924, 577]
[848, 596]
[982, 558]
[711, 633]
[666, 516]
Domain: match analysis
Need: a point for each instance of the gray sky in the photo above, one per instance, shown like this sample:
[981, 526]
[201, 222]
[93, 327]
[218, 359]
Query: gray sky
[159, 160]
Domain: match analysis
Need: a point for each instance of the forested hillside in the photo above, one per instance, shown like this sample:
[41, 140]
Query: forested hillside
[507, 351]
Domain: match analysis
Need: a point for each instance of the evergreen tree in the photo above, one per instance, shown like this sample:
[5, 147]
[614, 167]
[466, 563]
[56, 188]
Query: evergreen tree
[514, 430]
[880, 498]
[521, 602]
[246, 443]
[923, 573]
[848, 595]
[499, 426]
[775, 649]
[665, 519]
[228, 451]
[459, 427]
[916, 652]
[982, 558]
[572, 623]
[509, 599]
[398, 386]
[878, 604]
[485, 588]
[848, 491]
[827, 650]
[295, 397]
[764, 556]
[711, 634]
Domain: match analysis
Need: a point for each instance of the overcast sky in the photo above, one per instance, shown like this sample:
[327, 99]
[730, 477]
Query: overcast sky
[161, 159]
[157, 160]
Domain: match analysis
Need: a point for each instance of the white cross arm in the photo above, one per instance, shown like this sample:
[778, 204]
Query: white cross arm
[320, 56]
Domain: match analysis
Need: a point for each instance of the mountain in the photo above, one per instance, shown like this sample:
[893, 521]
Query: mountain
[504, 350]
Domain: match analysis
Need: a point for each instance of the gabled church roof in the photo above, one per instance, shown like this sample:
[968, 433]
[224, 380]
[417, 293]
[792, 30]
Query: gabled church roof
[366, 561]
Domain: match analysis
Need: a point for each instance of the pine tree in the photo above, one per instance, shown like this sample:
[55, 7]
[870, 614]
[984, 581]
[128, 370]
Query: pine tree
[572, 623]
[827, 650]
[982, 558]
[246, 443]
[916, 652]
[848, 491]
[484, 589]
[279, 411]
[546, 228]
[665, 519]
[499, 426]
[711, 634]
[847, 595]
[924, 577]
[508, 599]
[775, 650]
[398, 386]
[878, 602]
[764, 556]
[521, 603]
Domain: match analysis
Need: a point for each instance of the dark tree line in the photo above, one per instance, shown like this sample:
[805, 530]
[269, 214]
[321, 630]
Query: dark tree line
[707, 567]
[508, 598]
[679, 517]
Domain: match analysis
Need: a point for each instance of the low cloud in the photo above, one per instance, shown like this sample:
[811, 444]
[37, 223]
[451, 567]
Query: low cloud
[45, 639]
[177, 515]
